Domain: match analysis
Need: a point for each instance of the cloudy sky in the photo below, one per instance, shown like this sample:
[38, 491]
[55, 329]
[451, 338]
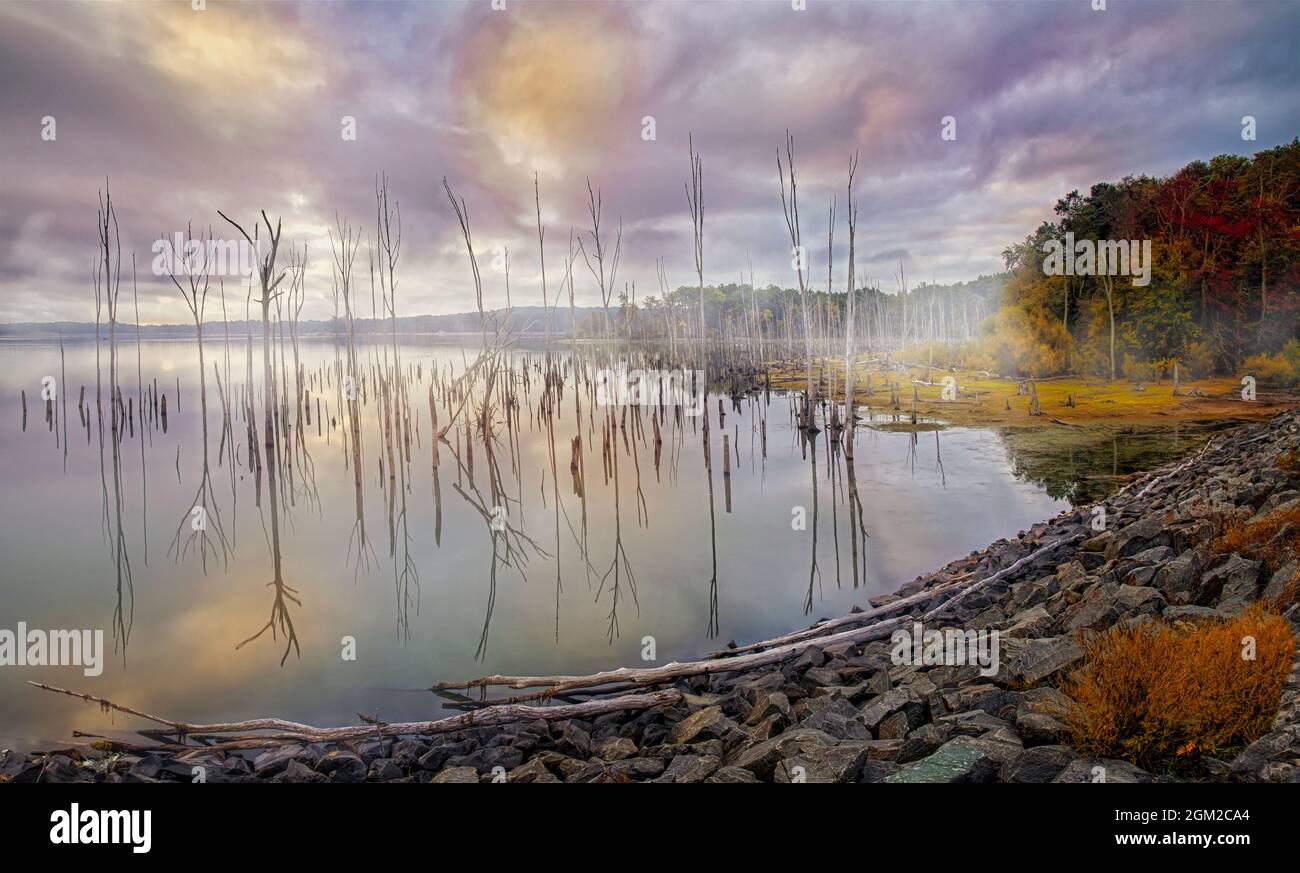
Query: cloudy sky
[239, 107]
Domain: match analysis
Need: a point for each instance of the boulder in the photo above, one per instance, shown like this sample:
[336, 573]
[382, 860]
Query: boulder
[438, 756]
[690, 768]
[1029, 662]
[813, 761]
[1235, 582]
[297, 773]
[731, 775]
[616, 749]
[1179, 578]
[705, 724]
[534, 771]
[456, 774]
[761, 758]
[1286, 576]
[884, 705]
[1037, 764]
[1136, 537]
[958, 760]
[767, 705]
[1102, 770]
[342, 767]
[273, 761]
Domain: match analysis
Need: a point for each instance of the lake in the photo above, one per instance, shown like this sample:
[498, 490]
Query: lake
[685, 559]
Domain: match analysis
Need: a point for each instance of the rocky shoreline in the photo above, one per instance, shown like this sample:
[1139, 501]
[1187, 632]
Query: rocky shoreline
[845, 711]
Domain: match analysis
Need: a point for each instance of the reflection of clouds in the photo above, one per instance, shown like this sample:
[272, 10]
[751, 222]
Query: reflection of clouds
[182, 661]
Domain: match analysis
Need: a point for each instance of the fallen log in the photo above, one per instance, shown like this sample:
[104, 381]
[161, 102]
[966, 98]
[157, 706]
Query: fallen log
[824, 627]
[289, 731]
[923, 596]
[1156, 480]
[625, 676]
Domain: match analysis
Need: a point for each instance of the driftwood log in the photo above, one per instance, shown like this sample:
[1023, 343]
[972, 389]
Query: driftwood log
[289, 731]
[769, 652]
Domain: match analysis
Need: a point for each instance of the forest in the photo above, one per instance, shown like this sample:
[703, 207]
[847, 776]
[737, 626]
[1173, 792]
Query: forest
[1221, 298]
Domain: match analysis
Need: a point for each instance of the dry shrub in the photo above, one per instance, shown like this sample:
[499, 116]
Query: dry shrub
[1274, 538]
[1163, 696]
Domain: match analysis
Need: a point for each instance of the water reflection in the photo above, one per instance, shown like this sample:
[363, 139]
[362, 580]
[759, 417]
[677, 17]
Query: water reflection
[495, 560]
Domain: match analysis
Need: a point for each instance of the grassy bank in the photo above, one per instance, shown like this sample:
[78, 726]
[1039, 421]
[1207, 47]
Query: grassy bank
[986, 400]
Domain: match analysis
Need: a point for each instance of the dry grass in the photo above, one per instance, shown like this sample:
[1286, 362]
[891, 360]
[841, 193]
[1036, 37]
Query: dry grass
[1163, 696]
[1273, 538]
[984, 400]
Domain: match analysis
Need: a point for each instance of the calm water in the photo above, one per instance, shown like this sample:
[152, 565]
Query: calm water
[172, 632]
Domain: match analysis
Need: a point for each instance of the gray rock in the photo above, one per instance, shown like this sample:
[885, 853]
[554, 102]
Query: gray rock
[812, 761]
[1191, 614]
[726, 775]
[1102, 770]
[18, 767]
[707, 724]
[1236, 582]
[1133, 598]
[298, 772]
[575, 741]
[767, 705]
[877, 771]
[1158, 555]
[487, 759]
[1179, 578]
[1037, 764]
[690, 768]
[342, 767]
[885, 705]
[61, 769]
[438, 756]
[1038, 728]
[637, 769]
[1134, 538]
[1029, 662]
[958, 760]
[924, 741]
[1097, 608]
[761, 758]
[456, 774]
[372, 750]
[535, 771]
[384, 770]
[274, 761]
[836, 717]
[972, 723]
[895, 727]
[1033, 622]
[1262, 751]
[1284, 578]
[616, 749]
[823, 676]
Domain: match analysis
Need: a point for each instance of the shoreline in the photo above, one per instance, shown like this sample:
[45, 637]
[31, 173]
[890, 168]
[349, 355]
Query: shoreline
[826, 703]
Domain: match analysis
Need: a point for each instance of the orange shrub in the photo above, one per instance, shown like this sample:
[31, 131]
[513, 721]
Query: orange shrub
[1163, 697]
[1258, 538]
